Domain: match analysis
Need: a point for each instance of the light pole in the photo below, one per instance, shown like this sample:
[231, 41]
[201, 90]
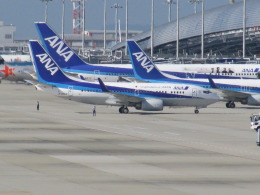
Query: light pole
[126, 25]
[177, 37]
[195, 2]
[202, 29]
[83, 30]
[105, 29]
[46, 9]
[152, 27]
[170, 3]
[244, 29]
[116, 6]
[62, 22]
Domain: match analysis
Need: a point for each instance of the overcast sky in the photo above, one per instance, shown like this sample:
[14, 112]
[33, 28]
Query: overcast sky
[23, 14]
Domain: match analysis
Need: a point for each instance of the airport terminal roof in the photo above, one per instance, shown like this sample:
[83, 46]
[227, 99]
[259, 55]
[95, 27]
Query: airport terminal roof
[220, 19]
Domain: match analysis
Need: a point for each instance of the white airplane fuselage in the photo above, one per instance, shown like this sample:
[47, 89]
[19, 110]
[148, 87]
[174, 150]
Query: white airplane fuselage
[172, 94]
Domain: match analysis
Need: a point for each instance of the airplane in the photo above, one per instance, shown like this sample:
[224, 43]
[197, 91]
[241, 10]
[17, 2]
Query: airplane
[70, 62]
[16, 73]
[142, 96]
[246, 91]
[16, 59]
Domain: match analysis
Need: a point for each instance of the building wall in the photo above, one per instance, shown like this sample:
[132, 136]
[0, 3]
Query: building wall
[6, 33]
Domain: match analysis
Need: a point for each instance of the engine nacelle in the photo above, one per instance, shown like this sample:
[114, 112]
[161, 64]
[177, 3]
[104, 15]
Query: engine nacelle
[253, 100]
[150, 105]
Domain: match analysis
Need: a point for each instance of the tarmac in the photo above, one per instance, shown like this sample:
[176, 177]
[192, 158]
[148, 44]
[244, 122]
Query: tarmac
[63, 149]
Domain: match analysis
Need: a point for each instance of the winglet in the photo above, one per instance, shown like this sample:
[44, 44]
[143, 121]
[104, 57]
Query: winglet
[212, 84]
[102, 85]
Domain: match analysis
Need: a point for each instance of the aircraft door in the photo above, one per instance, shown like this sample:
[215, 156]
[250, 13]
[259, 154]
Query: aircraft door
[136, 92]
[194, 93]
[70, 90]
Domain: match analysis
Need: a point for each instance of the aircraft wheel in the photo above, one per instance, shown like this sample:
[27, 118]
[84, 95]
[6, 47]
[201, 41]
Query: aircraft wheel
[227, 105]
[125, 110]
[196, 111]
[121, 109]
[232, 105]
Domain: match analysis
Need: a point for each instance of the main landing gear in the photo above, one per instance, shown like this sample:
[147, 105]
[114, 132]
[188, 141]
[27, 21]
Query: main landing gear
[230, 104]
[124, 110]
[196, 111]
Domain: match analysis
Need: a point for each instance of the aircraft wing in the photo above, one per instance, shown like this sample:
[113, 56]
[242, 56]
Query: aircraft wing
[118, 97]
[230, 95]
[131, 80]
[33, 75]
[227, 94]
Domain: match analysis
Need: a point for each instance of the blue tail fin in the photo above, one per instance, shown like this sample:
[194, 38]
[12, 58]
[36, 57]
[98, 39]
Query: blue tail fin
[144, 68]
[47, 70]
[57, 48]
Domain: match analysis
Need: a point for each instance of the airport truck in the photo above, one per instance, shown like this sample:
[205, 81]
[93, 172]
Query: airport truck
[255, 121]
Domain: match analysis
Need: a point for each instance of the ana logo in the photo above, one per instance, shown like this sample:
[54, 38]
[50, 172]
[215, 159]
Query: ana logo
[180, 88]
[48, 64]
[55, 42]
[250, 70]
[145, 62]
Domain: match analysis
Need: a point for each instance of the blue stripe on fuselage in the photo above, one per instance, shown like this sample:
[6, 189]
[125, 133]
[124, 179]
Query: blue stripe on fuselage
[124, 91]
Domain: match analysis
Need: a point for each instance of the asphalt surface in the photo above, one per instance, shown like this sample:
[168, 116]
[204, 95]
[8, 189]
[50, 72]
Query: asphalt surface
[63, 149]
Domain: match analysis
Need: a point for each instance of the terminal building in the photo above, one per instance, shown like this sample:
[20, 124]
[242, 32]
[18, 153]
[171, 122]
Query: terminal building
[223, 36]
[7, 41]
[223, 33]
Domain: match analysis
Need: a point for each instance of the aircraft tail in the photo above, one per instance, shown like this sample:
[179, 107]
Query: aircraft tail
[57, 48]
[144, 68]
[47, 70]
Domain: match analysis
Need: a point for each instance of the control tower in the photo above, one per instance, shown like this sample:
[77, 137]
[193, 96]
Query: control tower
[77, 16]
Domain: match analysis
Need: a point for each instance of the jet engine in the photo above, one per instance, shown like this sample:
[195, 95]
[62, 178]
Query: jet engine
[253, 100]
[150, 105]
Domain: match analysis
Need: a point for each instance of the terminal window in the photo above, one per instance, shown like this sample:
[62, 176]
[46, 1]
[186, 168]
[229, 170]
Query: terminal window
[8, 36]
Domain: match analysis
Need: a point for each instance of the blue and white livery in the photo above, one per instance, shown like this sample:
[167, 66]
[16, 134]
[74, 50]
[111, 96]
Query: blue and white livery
[142, 96]
[71, 62]
[246, 91]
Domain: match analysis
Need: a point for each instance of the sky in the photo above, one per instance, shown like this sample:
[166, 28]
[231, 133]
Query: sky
[23, 14]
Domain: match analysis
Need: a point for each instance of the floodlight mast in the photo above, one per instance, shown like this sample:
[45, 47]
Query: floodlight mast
[116, 6]
[169, 3]
[105, 24]
[62, 20]
[46, 9]
[177, 34]
[244, 29]
[195, 2]
[152, 28]
[126, 25]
